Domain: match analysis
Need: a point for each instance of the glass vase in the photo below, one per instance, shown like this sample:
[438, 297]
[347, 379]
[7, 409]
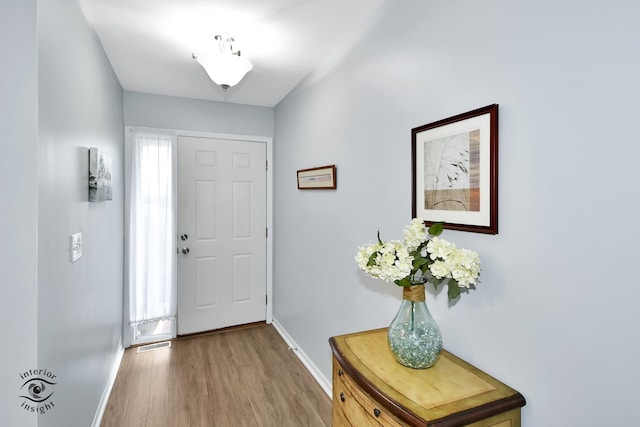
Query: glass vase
[414, 337]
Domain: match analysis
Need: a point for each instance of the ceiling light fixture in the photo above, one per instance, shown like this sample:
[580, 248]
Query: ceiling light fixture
[224, 66]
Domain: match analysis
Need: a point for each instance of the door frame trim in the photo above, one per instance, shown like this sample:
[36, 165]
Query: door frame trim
[269, 208]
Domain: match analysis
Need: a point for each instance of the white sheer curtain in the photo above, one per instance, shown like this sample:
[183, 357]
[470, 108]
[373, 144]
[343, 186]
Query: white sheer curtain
[151, 248]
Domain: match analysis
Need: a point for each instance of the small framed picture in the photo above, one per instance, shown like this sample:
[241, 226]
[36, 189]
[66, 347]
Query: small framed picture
[322, 178]
[100, 188]
[455, 171]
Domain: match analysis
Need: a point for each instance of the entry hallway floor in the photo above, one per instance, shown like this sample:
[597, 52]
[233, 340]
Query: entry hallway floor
[238, 377]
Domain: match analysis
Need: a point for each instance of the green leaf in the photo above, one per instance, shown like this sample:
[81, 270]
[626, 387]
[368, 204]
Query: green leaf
[419, 262]
[379, 240]
[436, 229]
[372, 259]
[454, 290]
[405, 281]
[436, 281]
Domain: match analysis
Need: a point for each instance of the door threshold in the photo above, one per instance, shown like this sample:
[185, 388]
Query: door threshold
[222, 330]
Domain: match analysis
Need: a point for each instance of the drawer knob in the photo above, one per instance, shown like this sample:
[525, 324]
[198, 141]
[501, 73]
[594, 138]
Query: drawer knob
[341, 396]
[376, 412]
[340, 373]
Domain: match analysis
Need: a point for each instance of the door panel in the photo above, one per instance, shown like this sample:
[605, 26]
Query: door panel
[222, 209]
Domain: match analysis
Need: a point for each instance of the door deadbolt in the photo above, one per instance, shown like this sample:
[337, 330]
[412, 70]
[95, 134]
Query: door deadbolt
[185, 250]
[184, 237]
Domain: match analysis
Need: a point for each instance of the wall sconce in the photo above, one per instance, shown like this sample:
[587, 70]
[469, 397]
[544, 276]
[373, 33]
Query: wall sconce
[224, 66]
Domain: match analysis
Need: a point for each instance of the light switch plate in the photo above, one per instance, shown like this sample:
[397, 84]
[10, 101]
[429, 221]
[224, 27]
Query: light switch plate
[76, 246]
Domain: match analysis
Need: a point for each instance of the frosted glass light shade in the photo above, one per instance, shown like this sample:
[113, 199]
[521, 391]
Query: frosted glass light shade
[225, 69]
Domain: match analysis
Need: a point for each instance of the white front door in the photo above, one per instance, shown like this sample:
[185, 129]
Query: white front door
[221, 233]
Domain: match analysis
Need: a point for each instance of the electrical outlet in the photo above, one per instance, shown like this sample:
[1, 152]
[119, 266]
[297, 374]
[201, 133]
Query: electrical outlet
[76, 246]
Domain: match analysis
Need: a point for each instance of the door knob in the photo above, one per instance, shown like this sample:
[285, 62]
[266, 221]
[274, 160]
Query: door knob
[184, 237]
[185, 250]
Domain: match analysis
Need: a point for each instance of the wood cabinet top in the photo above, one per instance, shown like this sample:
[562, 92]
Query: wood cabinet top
[452, 392]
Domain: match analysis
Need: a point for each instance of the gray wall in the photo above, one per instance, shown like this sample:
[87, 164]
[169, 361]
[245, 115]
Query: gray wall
[556, 312]
[19, 192]
[80, 303]
[159, 111]
[59, 97]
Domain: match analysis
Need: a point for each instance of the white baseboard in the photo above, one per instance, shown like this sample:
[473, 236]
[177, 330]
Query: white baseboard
[102, 406]
[311, 367]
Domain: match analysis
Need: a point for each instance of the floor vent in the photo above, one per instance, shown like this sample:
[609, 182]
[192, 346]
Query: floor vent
[156, 346]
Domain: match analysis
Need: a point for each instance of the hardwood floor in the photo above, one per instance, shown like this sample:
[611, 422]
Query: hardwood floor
[238, 377]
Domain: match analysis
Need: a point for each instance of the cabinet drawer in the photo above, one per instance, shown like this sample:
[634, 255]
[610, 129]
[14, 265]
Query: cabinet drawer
[338, 419]
[358, 408]
[506, 419]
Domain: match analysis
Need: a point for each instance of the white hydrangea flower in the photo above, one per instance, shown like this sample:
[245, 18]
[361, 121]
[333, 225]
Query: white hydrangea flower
[440, 248]
[440, 269]
[363, 255]
[469, 260]
[465, 267]
[463, 277]
[414, 234]
[392, 261]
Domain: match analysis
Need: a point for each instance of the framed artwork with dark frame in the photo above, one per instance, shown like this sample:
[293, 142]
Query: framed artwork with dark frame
[455, 171]
[321, 178]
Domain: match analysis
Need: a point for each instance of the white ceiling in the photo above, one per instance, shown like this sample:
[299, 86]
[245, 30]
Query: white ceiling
[150, 42]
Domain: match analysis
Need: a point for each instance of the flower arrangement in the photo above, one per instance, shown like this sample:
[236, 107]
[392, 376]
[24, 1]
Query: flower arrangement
[421, 257]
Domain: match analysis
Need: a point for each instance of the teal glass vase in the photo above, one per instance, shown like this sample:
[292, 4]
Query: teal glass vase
[414, 338]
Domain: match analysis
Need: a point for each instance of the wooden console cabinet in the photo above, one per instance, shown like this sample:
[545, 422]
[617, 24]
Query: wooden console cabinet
[371, 389]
